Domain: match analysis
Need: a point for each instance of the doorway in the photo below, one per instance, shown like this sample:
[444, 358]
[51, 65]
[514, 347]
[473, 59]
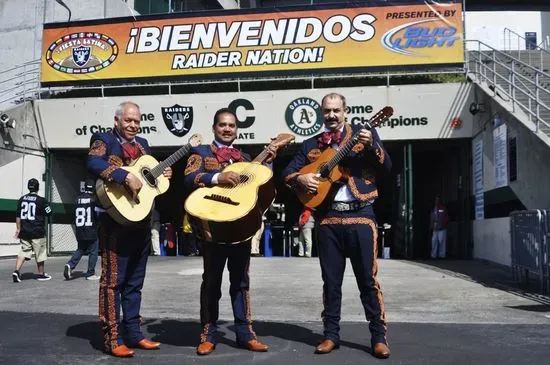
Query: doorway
[422, 170]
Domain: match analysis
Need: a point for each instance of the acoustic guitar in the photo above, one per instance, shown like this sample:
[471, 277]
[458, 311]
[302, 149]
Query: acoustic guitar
[326, 166]
[118, 201]
[234, 214]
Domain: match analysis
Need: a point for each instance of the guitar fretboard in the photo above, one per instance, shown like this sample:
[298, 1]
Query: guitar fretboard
[378, 118]
[172, 159]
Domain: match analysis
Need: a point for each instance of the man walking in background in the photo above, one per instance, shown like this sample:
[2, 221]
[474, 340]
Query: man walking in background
[32, 210]
[155, 232]
[86, 233]
[439, 219]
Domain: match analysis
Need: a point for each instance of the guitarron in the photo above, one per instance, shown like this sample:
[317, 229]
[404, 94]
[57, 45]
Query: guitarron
[118, 201]
[326, 166]
[234, 214]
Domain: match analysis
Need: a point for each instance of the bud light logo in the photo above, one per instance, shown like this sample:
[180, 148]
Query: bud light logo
[408, 39]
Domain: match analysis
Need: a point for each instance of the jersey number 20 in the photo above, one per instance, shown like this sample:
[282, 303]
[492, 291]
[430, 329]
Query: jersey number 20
[28, 211]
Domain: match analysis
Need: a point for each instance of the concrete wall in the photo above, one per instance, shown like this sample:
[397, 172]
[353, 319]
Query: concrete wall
[533, 155]
[492, 240]
[21, 25]
[488, 27]
[545, 27]
[21, 158]
[492, 236]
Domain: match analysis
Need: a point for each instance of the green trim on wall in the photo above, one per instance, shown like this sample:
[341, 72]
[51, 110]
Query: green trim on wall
[8, 205]
[62, 213]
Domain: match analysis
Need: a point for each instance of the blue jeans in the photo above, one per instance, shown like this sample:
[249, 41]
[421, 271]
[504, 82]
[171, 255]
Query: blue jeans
[439, 244]
[85, 247]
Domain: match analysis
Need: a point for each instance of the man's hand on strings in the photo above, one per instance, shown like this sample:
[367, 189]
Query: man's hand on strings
[308, 182]
[229, 178]
[133, 184]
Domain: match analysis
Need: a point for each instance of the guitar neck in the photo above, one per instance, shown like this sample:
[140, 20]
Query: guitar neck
[261, 157]
[343, 151]
[172, 159]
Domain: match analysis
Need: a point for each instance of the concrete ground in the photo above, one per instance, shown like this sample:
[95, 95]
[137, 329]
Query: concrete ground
[439, 312]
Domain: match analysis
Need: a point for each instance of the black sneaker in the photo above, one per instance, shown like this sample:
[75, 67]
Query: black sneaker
[15, 276]
[43, 277]
[67, 272]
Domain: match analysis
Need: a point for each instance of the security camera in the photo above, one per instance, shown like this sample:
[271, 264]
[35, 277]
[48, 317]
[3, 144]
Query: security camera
[476, 108]
[6, 121]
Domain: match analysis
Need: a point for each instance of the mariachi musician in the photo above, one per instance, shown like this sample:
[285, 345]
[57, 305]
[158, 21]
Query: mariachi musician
[204, 169]
[345, 222]
[125, 249]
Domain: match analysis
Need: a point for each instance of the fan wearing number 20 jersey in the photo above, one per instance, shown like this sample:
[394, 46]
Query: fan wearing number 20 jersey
[85, 218]
[32, 210]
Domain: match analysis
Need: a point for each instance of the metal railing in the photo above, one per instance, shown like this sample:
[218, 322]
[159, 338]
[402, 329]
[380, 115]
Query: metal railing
[524, 86]
[530, 234]
[20, 83]
[512, 39]
[544, 45]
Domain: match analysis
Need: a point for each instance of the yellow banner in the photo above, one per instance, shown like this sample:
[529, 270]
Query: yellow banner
[298, 41]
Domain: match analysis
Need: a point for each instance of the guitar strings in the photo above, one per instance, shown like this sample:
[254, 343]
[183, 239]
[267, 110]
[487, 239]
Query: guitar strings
[247, 172]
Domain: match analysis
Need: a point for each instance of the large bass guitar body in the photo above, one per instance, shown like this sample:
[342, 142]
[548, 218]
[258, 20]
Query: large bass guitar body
[232, 214]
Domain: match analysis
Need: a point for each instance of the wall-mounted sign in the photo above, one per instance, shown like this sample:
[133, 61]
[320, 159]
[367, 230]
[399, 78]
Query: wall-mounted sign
[320, 39]
[420, 112]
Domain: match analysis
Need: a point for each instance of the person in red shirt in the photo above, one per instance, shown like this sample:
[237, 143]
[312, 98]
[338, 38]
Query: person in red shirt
[306, 223]
[439, 219]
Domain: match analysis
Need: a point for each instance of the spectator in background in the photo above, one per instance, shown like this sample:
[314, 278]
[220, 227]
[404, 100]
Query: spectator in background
[190, 241]
[257, 239]
[155, 232]
[306, 223]
[86, 233]
[32, 210]
[439, 219]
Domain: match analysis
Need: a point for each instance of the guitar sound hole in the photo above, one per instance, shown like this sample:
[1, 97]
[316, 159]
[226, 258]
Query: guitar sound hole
[149, 177]
[244, 178]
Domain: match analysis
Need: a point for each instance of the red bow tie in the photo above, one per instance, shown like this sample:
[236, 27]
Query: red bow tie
[130, 150]
[330, 137]
[228, 154]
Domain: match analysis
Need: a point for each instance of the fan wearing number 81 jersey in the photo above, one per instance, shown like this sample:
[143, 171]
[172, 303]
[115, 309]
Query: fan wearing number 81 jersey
[86, 233]
[85, 219]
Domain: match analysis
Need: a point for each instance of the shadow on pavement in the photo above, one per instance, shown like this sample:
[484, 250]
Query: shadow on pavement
[90, 331]
[186, 333]
[488, 274]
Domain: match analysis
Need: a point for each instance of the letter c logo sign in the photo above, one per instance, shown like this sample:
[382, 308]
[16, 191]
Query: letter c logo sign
[248, 119]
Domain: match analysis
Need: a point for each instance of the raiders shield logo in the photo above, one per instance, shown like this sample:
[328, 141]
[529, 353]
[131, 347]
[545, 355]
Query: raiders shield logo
[81, 55]
[178, 119]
